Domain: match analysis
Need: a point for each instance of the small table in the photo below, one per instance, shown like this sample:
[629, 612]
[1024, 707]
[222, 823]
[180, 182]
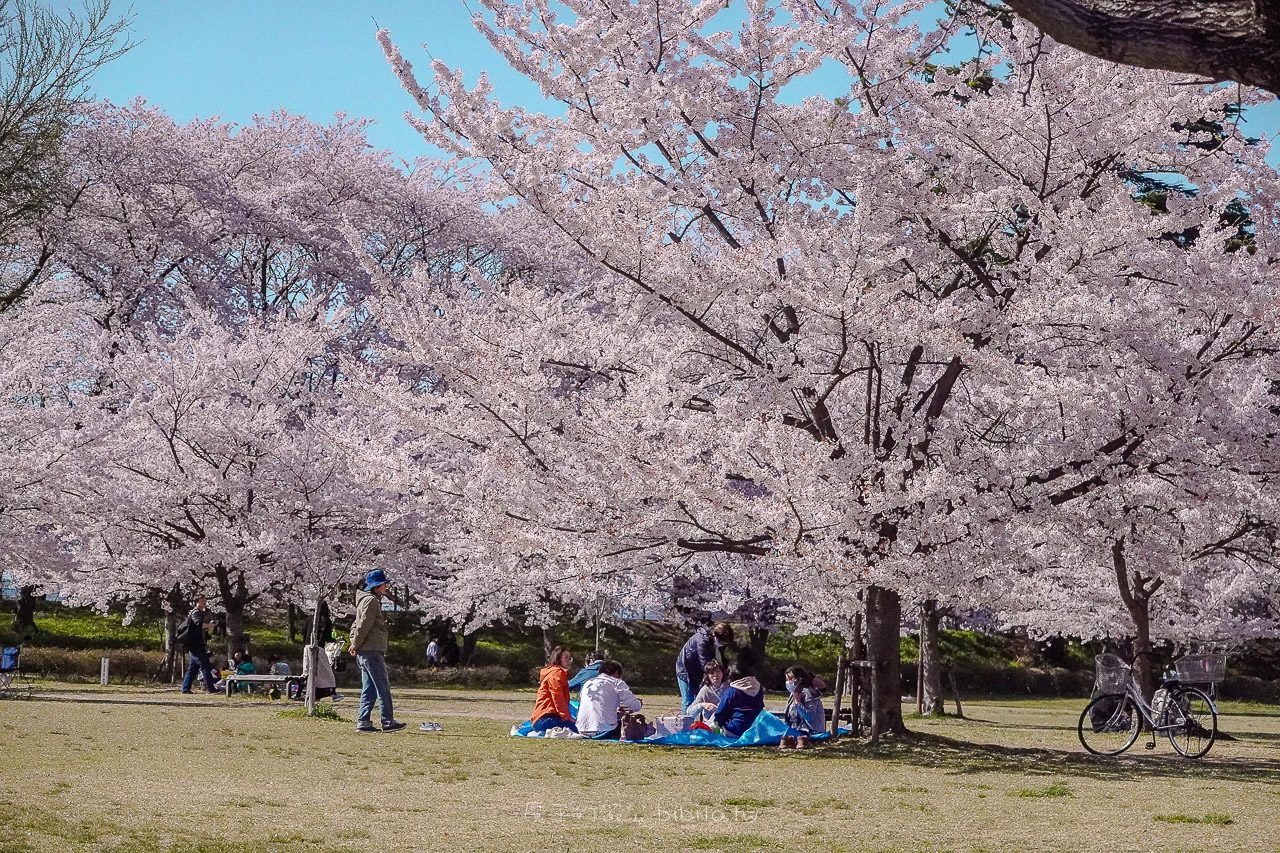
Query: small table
[231, 680]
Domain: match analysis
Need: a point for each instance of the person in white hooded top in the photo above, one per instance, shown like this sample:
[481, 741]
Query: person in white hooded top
[600, 700]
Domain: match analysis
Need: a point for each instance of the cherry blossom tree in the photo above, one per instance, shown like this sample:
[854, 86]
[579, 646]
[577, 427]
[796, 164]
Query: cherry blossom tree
[171, 243]
[866, 338]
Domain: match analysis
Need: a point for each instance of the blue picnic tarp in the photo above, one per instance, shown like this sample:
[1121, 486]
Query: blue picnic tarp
[767, 730]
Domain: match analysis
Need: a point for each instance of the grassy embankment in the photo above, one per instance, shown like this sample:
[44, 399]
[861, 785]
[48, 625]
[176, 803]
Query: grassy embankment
[69, 642]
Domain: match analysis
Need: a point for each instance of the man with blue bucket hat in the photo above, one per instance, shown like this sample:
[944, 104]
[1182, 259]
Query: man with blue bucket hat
[369, 645]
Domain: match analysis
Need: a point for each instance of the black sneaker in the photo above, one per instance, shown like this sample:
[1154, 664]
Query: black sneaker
[365, 727]
[392, 725]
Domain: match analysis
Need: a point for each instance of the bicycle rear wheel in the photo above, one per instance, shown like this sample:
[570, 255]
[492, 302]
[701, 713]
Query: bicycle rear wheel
[1195, 722]
[1109, 724]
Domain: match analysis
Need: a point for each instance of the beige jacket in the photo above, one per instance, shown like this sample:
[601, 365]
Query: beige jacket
[369, 631]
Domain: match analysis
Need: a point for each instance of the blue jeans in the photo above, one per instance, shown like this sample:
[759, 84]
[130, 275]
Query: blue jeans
[686, 693]
[374, 686]
[551, 721]
[198, 661]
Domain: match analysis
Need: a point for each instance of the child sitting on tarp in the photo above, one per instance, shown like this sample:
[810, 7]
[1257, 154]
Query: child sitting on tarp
[805, 715]
[601, 699]
[740, 704]
[710, 691]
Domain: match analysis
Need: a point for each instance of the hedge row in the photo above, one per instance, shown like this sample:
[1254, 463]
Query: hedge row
[127, 665]
[137, 666]
[1010, 680]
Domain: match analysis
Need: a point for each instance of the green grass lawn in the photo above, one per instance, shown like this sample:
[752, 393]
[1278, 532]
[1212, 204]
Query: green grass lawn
[144, 769]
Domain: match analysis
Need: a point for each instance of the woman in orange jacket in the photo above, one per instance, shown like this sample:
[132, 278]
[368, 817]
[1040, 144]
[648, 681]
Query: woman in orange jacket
[551, 708]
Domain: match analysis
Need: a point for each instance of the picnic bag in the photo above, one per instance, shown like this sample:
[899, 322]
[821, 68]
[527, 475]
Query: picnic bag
[634, 726]
[672, 724]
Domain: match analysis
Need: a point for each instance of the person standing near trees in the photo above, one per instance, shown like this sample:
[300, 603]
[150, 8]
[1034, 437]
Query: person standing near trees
[704, 646]
[192, 635]
[369, 646]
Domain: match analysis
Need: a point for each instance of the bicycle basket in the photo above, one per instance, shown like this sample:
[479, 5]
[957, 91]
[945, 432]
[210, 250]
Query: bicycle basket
[1201, 669]
[1112, 674]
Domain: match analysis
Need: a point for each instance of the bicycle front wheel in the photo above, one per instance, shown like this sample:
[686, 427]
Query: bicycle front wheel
[1193, 721]
[1109, 724]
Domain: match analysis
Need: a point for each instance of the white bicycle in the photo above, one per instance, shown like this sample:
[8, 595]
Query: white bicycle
[1186, 715]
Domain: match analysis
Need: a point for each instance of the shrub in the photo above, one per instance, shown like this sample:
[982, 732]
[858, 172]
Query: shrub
[128, 665]
[455, 676]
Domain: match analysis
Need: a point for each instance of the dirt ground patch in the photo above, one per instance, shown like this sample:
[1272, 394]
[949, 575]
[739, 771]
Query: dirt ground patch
[142, 769]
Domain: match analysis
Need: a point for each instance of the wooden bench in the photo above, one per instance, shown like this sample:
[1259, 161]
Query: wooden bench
[275, 680]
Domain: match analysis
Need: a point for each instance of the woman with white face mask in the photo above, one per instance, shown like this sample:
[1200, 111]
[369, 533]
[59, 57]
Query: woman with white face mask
[804, 715]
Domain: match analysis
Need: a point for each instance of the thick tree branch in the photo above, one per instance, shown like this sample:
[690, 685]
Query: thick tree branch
[1218, 39]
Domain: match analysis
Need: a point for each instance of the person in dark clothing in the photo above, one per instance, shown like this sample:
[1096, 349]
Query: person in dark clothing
[705, 645]
[740, 704]
[325, 624]
[197, 643]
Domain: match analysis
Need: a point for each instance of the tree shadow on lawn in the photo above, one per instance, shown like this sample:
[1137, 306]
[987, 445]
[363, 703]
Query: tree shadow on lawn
[964, 757]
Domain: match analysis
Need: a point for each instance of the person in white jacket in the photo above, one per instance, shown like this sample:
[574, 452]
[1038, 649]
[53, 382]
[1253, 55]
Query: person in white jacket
[600, 700]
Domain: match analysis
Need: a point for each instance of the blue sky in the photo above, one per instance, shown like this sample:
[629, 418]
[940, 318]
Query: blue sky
[236, 58]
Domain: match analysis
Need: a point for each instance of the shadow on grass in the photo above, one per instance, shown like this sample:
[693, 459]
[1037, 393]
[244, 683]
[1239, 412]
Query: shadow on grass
[962, 757]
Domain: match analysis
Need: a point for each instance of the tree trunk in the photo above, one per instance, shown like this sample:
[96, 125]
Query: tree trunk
[1217, 39]
[234, 603]
[292, 625]
[164, 674]
[550, 639]
[1136, 591]
[312, 651]
[884, 649]
[468, 648]
[24, 623]
[758, 639]
[1142, 669]
[841, 667]
[930, 660]
[859, 706]
[172, 654]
